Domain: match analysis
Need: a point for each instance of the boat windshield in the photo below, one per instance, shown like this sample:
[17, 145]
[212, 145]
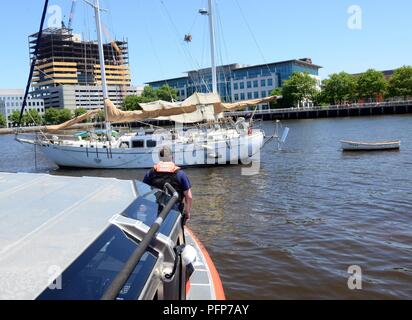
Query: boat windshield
[90, 275]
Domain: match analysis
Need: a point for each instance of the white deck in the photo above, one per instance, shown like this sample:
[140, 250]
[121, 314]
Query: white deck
[47, 221]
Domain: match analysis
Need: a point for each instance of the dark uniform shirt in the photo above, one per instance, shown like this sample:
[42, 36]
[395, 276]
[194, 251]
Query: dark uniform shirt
[181, 177]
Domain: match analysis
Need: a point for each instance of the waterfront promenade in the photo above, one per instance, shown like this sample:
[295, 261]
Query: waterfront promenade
[333, 111]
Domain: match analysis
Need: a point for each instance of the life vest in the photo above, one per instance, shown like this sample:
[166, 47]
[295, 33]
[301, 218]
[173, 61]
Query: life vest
[166, 172]
[166, 167]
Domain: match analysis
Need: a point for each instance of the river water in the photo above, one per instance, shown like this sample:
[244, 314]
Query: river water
[293, 230]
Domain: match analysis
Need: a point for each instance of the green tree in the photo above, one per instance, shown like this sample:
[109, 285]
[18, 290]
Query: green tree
[65, 115]
[339, 88]
[166, 93]
[149, 94]
[278, 104]
[400, 85]
[371, 84]
[276, 92]
[3, 122]
[51, 116]
[32, 117]
[131, 103]
[299, 87]
[79, 112]
[14, 118]
[100, 116]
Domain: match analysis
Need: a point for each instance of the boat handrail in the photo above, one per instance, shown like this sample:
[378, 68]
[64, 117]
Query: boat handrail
[118, 283]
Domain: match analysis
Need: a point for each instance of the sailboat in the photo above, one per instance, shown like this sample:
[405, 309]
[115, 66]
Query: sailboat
[214, 140]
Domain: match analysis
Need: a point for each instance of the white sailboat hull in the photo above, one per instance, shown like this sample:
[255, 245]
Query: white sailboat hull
[232, 151]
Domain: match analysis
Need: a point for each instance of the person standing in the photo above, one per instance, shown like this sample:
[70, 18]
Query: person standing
[166, 171]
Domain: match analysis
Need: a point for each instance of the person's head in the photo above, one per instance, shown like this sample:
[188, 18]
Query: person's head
[165, 154]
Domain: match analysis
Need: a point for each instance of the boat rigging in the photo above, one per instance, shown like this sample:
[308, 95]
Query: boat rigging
[220, 141]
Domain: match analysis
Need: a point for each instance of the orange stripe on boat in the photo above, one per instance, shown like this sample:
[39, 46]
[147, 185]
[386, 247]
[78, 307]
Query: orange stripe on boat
[187, 287]
[217, 282]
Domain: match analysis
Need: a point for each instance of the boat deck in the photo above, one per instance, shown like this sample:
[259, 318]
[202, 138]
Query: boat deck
[40, 215]
[48, 221]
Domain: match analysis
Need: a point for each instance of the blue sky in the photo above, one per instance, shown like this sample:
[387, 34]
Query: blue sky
[267, 31]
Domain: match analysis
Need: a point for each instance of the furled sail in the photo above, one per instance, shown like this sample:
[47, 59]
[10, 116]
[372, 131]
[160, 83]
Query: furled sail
[72, 122]
[197, 108]
[152, 110]
[226, 107]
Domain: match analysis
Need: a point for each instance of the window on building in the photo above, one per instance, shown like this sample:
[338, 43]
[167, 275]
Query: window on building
[242, 85]
[270, 82]
[256, 95]
[236, 86]
[249, 95]
[264, 94]
[263, 83]
[249, 84]
[242, 96]
[255, 84]
[236, 97]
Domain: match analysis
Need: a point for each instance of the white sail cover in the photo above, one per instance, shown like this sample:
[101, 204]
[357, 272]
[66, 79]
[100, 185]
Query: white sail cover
[205, 109]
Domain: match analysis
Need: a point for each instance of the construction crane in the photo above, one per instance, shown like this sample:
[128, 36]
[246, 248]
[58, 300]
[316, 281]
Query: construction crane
[120, 61]
[72, 13]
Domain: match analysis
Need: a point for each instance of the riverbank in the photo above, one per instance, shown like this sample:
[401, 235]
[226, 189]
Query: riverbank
[341, 111]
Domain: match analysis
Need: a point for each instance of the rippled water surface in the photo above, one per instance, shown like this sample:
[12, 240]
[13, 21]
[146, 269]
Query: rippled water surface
[293, 230]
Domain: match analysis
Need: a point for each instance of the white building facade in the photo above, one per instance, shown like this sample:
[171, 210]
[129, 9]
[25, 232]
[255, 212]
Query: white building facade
[12, 100]
[73, 97]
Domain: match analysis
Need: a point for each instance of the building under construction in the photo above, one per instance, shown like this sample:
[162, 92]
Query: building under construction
[67, 73]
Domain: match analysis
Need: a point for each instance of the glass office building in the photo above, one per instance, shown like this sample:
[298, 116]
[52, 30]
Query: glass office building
[238, 82]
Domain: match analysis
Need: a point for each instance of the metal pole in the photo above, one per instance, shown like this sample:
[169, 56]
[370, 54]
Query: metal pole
[102, 61]
[34, 60]
[213, 46]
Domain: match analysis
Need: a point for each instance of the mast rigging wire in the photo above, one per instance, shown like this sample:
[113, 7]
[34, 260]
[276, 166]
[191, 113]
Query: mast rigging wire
[253, 36]
[194, 62]
[34, 60]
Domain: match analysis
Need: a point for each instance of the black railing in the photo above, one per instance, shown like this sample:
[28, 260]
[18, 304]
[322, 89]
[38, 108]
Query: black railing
[326, 108]
[118, 283]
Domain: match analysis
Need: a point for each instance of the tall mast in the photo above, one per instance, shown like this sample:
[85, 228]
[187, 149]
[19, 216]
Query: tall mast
[213, 46]
[101, 58]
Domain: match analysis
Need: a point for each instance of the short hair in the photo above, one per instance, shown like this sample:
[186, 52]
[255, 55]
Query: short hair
[165, 154]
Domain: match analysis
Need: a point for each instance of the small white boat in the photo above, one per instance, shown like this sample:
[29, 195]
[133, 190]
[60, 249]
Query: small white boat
[370, 146]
